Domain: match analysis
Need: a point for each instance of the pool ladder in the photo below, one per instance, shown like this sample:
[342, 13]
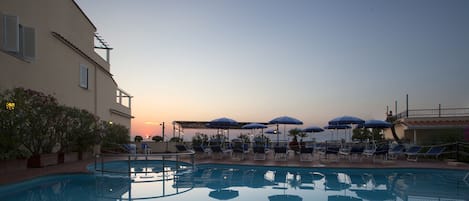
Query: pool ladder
[466, 179]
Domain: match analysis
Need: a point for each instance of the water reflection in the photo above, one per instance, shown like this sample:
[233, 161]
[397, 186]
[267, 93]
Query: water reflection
[225, 183]
[228, 182]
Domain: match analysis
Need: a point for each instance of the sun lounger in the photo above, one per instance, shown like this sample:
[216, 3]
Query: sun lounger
[381, 150]
[280, 153]
[201, 151]
[145, 148]
[435, 151]
[130, 148]
[413, 152]
[260, 152]
[396, 151]
[183, 148]
[331, 149]
[239, 149]
[354, 150]
[217, 150]
[306, 153]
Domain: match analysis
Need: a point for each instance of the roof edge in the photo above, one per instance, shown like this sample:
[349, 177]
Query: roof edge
[83, 13]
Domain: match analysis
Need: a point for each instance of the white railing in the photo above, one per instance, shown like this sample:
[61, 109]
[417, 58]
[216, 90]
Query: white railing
[123, 98]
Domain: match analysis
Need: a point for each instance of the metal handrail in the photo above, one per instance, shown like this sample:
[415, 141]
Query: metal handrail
[435, 112]
[143, 156]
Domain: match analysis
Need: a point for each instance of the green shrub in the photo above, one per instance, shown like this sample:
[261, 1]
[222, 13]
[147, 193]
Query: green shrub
[157, 138]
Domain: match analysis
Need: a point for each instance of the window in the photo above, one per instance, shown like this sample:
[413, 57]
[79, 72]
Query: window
[10, 33]
[17, 39]
[27, 43]
[83, 76]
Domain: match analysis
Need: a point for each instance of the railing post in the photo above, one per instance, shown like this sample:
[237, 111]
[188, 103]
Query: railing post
[128, 163]
[439, 110]
[102, 165]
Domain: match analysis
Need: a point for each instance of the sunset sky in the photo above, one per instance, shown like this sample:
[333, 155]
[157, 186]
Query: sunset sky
[254, 60]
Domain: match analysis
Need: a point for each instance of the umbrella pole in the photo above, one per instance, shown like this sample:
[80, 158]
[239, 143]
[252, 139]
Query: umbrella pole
[284, 132]
[277, 135]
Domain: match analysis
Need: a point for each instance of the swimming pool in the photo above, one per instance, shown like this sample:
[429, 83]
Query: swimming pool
[179, 181]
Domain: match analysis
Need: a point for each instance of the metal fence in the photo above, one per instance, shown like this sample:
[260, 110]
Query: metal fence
[437, 112]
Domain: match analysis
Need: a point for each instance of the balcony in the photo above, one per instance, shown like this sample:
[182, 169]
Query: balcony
[123, 98]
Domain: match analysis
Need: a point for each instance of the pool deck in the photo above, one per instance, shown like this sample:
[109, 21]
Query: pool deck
[16, 171]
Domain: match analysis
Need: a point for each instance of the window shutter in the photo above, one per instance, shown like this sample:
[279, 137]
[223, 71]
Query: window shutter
[28, 43]
[83, 76]
[10, 33]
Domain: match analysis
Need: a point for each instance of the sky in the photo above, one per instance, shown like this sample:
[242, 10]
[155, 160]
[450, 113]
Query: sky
[254, 60]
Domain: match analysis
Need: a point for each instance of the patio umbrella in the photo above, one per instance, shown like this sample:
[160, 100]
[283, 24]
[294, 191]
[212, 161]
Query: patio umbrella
[313, 129]
[346, 120]
[337, 127]
[285, 120]
[223, 123]
[224, 194]
[255, 126]
[375, 124]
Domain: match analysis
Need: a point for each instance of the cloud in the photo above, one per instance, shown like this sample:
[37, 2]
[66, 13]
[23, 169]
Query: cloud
[151, 123]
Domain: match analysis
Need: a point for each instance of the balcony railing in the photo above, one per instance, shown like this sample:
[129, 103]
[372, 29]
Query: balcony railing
[437, 112]
[123, 98]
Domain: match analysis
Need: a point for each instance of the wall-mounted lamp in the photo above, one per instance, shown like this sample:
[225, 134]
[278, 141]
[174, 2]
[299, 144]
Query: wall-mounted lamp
[10, 105]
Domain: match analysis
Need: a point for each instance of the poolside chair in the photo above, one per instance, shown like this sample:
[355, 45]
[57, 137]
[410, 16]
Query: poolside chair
[306, 153]
[354, 150]
[413, 152]
[239, 149]
[331, 148]
[344, 151]
[217, 150]
[435, 151]
[201, 151]
[130, 148]
[146, 149]
[381, 149]
[260, 152]
[182, 148]
[396, 151]
[280, 153]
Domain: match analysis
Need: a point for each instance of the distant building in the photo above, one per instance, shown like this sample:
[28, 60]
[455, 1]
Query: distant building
[432, 126]
[49, 46]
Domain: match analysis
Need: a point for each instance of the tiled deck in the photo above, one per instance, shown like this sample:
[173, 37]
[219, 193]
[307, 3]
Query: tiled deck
[15, 171]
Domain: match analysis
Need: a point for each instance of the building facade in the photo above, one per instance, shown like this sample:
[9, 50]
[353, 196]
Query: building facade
[49, 46]
[432, 126]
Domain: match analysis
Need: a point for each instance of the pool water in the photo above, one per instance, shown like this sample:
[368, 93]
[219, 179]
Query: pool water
[180, 181]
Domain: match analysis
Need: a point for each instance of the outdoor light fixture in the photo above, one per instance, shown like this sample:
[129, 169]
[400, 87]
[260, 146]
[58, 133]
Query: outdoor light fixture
[10, 105]
[110, 123]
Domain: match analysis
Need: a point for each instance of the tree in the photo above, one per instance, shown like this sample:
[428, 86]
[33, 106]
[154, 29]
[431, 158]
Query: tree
[84, 131]
[33, 122]
[10, 127]
[200, 139]
[245, 138]
[138, 138]
[364, 134]
[392, 119]
[113, 135]
[157, 138]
